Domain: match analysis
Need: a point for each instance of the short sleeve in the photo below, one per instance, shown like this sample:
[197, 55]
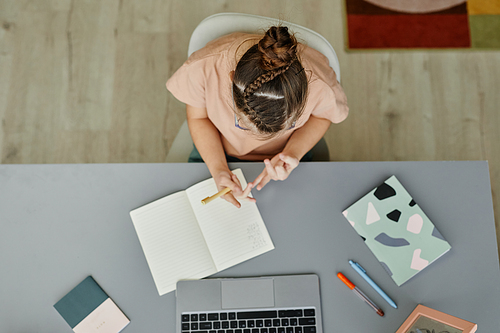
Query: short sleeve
[189, 81]
[328, 102]
[326, 98]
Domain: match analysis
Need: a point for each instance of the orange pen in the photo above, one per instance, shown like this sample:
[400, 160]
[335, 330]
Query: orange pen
[360, 294]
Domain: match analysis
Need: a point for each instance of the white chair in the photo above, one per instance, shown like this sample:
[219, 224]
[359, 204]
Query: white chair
[225, 23]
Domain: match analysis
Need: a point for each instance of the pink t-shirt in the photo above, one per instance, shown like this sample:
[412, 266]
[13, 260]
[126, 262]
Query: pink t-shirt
[203, 81]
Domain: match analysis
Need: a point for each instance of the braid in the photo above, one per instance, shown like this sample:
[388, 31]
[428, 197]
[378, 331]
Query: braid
[266, 77]
[270, 86]
[252, 88]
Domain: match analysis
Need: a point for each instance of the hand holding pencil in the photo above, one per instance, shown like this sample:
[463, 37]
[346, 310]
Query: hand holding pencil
[216, 195]
[230, 189]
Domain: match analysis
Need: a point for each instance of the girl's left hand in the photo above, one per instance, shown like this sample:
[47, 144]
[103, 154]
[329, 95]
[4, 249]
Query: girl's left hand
[228, 179]
[278, 168]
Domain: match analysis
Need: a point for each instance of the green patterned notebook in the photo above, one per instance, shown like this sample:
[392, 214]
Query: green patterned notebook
[396, 230]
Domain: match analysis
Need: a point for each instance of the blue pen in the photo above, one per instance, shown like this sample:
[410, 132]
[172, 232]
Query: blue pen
[362, 272]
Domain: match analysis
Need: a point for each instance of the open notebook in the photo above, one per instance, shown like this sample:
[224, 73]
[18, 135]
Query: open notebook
[183, 239]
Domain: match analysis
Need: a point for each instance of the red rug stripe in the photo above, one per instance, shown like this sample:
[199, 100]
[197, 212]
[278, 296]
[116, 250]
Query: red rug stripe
[408, 31]
[361, 7]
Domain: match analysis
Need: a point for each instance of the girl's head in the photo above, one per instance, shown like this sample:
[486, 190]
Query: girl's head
[269, 84]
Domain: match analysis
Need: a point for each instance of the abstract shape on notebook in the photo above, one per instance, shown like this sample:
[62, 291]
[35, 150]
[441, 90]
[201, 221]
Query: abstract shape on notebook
[345, 215]
[387, 269]
[397, 246]
[417, 262]
[394, 215]
[384, 191]
[415, 223]
[371, 215]
[437, 234]
[386, 240]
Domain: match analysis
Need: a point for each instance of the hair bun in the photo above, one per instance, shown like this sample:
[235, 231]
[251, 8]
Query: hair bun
[277, 48]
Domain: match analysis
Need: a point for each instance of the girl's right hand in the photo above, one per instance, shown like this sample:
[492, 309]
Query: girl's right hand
[228, 179]
[278, 168]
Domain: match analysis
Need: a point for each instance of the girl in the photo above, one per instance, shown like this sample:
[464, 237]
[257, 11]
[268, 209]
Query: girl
[257, 98]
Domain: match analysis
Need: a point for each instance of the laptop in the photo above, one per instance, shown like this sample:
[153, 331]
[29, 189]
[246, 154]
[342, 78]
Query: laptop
[268, 304]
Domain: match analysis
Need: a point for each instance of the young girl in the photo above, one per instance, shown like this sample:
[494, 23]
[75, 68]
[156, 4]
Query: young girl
[257, 98]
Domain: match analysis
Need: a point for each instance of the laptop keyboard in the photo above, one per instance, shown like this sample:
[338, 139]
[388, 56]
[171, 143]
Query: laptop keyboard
[266, 321]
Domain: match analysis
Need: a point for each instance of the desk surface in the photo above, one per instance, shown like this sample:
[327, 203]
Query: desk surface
[60, 223]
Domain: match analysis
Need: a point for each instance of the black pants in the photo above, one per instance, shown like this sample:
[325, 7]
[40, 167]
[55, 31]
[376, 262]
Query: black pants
[195, 157]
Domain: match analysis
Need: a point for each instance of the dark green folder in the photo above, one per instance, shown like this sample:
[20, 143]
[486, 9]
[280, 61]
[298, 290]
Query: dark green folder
[81, 301]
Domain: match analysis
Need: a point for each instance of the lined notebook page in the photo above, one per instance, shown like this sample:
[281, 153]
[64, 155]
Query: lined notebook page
[172, 241]
[233, 234]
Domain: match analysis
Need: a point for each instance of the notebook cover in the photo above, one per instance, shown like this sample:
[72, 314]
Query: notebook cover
[87, 308]
[396, 230]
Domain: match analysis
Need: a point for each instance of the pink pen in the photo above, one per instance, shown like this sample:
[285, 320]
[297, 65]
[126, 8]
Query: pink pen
[360, 294]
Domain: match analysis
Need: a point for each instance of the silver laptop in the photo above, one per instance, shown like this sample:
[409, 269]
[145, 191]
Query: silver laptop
[269, 304]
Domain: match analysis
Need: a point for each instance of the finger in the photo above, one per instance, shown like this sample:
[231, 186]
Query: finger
[263, 182]
[281, 172]
[238, 188]
[270, 169]
[259, 178]
[249, 199]
[236, 180]
[247, 190]
[262, 179]
[245, 195]
[231, 199]
[228, 182]
[292, 161]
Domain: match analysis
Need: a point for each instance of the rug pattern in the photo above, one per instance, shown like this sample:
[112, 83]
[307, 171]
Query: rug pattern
[426, 24]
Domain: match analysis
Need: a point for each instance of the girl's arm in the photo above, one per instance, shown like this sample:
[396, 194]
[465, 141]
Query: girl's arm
[300, 142]
[207, 140]
[306, 137]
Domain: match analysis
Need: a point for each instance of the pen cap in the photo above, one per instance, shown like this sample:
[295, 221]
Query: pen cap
[356, 265]
[346, 281]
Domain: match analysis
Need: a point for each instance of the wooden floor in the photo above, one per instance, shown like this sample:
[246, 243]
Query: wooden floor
[83, 81]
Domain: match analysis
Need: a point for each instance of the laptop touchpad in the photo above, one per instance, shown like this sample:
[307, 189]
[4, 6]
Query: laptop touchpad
[247, 293]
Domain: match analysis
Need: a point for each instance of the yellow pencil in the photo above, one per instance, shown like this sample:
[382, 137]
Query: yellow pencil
[215, 196]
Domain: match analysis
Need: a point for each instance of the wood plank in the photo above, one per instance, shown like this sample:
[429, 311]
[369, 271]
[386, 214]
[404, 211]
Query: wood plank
[150, 16]
[6, 54]
[82, 146]
[44, 5]
[91, 38]
[139, 105]
[37, 87]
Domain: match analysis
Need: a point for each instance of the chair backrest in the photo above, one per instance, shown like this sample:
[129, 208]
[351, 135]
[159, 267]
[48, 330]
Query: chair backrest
[225, 23]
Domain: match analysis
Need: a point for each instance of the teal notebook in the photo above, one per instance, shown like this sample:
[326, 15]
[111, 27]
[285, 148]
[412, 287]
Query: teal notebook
[396, 230]
[87, 308]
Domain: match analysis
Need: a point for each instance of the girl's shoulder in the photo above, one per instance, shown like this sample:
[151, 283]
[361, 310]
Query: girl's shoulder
[317, 65]
[225, 46]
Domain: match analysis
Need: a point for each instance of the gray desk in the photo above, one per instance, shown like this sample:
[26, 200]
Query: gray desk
[60, 223]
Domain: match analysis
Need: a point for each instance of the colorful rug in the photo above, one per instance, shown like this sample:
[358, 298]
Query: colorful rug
[422, 24]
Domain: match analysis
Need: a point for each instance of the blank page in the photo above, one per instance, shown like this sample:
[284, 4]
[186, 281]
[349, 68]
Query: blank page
[232, 234]
[172, 241]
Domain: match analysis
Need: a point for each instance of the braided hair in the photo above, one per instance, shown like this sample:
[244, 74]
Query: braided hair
[269, 85]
